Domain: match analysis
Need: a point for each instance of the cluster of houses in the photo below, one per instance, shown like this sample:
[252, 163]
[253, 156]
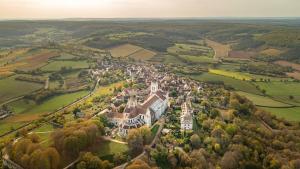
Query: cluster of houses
[133, 108]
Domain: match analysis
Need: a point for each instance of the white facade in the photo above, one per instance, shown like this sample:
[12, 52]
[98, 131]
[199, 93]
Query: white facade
[136, 115]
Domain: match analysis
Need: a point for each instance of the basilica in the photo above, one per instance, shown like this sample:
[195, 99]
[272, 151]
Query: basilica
[137, 114]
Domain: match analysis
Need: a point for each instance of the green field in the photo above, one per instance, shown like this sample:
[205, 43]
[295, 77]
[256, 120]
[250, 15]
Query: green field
[57, 65]
[28, 111]
[235, 75]
[65, 56]
[262, 100]
[282, 91]
[6, 127]
[238, 85]
[23, 107]
[291, 114]
[11, 88]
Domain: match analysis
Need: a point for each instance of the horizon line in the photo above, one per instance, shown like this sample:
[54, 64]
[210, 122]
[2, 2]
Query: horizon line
[155, 18]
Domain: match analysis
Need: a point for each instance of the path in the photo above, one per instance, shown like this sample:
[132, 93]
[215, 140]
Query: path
[113, 140]
[161, 123]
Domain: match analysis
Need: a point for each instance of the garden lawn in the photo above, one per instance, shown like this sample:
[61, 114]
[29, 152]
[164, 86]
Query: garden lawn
[107, 149]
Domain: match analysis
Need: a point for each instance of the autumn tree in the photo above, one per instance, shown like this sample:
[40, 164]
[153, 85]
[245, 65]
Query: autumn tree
[138, 164]
[195, 141]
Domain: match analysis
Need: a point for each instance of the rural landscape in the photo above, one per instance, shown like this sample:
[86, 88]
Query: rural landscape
[154, 93]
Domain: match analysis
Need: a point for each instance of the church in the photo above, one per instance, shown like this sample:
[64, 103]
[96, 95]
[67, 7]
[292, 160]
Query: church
[136, 115]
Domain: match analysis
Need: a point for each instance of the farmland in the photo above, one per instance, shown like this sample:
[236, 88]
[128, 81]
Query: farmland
[234, 83]
[10, 88]
[57, 65]
[132, 51]
[124, 50]
[221, 50]
[235, 75]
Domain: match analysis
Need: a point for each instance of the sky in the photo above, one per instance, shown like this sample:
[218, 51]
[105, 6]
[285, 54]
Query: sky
[40, 9]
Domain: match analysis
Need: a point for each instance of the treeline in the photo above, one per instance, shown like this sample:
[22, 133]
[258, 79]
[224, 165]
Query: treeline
[30, 79]
[265, 69]
[248, 43]
[42, 95]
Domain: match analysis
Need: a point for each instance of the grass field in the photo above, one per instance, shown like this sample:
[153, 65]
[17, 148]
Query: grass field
[6, 127]
[235, 75]
[50, 105]
[106, 149]
[11, 88]
[65, 56]
[282, 90]
[234, 83]
[262, 100]
[190, 49]
[28, 111]
[57, 65]
[290, 114]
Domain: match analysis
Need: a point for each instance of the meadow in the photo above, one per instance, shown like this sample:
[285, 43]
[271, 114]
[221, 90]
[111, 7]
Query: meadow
[259, 100]
[282, 91]
[290, 114]
[27, 111]
[57, 65]
[235, 75]
[234, 83]
[11, 88]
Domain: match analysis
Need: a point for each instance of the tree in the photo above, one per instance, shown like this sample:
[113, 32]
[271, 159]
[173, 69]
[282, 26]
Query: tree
[135, 142]
[229, 161]
[89, 161]
[195, 141]
[138, 164]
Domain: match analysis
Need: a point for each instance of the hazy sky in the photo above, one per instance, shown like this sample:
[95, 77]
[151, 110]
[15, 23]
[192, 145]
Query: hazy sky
[10, 9]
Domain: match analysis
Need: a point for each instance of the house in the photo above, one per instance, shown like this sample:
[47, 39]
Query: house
[136, 115]
[186, 117]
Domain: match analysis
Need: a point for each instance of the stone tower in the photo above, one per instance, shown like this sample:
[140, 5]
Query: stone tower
[132, 102]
